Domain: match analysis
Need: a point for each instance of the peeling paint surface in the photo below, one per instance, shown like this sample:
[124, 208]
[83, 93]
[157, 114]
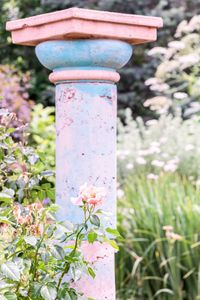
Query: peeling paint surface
[86, 143]
[101, 257]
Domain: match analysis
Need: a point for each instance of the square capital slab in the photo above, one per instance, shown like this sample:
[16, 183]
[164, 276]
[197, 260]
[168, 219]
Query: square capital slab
[78, 23]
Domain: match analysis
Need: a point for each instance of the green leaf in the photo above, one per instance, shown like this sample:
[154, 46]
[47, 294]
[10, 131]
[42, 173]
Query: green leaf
[58, 252]
[66, 296]
[73, 295]
[91, 272]
[46, 186]
[10, 296]
[163, 291]
[48, 293]
[2, 297]
[45, 257]
[35, 290]
[114, 232]
[10, 130]
[11, 270]
[31, 240]
[113, 244]
[94, 219]
[51, 194]
[41, 195]
[92, 236]
[5, 220]
[4, 197]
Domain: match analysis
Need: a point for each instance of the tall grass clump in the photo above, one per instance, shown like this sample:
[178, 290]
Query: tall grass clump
[160, 256]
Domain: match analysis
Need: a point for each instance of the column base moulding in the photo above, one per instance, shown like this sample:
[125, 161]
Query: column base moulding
[71, 75]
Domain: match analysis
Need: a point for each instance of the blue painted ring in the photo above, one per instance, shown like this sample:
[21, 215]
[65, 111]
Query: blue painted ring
[84, 54]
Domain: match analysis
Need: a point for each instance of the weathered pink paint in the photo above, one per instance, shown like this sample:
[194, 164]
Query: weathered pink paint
[100, 256]
[84, 48]
[77, 23]
[86, 143]
[84, 75]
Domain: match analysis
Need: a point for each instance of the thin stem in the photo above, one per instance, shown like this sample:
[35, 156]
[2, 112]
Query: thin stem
[67, 265]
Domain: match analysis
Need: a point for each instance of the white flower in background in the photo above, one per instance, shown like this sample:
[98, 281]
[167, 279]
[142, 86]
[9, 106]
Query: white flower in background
[170, 166]
[173, 236]
[152, 81]
[129, 166]
[182, 28]
[189, 147]
[194, 23]
[170, 234]
[165, 155]
[157, 50]
[126, 152]
[158, 103]
[122, 154]
[155, 144]
[158, 163]
[145, 152]
[176, 45]
[120, 193]
[163, 140]
[180, 95]
[198, 183]
[154, 150]
[152, 176]
[188, 60]
[168, 228]
[162, 87]
[152, 122]
[196, 208]
[141, 161]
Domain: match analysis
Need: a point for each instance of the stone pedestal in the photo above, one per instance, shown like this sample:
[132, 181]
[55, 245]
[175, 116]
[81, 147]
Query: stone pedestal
[84, 49]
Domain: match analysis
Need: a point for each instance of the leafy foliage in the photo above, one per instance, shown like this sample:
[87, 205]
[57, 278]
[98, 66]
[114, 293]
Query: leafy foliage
[160, 256]
[42, 133]
[23, 173]
[41, 258]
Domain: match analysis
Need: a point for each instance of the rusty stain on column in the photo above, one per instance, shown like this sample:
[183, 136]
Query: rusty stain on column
[84, 48]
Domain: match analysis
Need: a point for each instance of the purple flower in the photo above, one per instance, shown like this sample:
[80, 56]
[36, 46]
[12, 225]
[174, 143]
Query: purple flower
[46, 201]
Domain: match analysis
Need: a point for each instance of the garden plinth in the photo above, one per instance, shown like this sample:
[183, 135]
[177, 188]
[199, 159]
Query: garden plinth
[84, 48]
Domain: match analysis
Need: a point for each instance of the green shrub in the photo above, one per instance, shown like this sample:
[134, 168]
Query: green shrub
[43, 134]
[160, 257]
[24, 176]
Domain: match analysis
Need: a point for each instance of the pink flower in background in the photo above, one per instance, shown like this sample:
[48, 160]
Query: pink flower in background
[89, 194]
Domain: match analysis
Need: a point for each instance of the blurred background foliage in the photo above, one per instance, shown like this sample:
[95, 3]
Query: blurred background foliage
[132, 92]
[158, 143]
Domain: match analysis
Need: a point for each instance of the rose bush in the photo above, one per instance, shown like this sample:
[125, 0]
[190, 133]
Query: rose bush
[41, 258]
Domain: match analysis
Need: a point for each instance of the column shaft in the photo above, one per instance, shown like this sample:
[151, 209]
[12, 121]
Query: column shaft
[86, 143]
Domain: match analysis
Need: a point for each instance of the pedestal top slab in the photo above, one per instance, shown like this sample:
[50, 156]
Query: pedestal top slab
[78, 23]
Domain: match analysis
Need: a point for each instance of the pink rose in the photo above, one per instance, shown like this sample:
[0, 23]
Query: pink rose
[89, 194]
